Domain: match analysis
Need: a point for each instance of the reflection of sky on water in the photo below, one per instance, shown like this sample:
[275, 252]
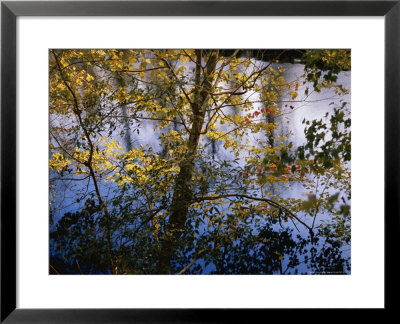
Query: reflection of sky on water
[314, 107]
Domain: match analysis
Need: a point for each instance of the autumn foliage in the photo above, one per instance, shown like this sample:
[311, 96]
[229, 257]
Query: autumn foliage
[185, 161]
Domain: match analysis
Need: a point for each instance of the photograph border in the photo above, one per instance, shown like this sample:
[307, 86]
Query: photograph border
[10, 10]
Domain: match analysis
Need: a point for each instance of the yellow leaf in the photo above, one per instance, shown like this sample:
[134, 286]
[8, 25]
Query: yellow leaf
[294, 94]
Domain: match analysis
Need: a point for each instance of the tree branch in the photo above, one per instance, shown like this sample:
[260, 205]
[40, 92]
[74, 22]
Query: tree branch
[268, 201]
[198, 255]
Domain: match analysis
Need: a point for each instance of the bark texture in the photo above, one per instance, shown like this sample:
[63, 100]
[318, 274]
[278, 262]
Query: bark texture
[182, 196]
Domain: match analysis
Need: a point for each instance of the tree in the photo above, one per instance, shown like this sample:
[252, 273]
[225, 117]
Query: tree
[170, 204]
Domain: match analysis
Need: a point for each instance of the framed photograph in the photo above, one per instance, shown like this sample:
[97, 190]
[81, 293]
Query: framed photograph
[187, 161]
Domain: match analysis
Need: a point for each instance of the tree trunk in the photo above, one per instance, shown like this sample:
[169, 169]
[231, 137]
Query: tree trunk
[182, 196]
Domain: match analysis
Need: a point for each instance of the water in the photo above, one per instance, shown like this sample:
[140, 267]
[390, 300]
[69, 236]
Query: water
[293, 112]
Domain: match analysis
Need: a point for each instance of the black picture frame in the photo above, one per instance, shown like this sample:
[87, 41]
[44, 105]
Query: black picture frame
[10, 10]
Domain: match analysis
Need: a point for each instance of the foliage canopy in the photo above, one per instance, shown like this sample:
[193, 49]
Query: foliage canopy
[184, 161]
